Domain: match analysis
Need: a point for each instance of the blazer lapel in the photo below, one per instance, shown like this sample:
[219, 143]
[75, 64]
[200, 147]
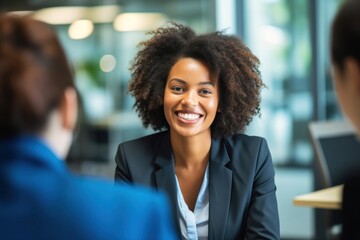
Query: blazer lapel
[165, 176]
[220, 179]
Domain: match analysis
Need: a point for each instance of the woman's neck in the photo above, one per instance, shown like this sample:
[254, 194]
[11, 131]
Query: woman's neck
[191, 152]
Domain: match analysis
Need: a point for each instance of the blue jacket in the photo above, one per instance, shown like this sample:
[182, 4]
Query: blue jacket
[41, 199]
[242, 199]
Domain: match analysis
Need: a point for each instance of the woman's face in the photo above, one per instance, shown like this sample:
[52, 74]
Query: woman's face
[191, 100]
[347, 87]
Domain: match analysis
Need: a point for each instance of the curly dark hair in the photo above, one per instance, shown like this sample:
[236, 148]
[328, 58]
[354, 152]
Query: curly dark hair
[228, 60]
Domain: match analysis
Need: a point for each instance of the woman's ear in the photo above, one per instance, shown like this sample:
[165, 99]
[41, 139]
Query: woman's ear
[69, 109]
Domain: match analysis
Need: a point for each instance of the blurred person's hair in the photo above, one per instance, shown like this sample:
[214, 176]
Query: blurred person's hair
[34, 74]
[345, 35]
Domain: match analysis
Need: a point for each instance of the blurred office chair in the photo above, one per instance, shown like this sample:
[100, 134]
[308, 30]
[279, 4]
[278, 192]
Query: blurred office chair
[337, 151]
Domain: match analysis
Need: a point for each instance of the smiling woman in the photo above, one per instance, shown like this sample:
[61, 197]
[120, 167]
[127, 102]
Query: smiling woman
[203, 90]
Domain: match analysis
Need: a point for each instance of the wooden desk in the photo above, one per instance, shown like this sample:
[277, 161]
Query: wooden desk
[328, 198]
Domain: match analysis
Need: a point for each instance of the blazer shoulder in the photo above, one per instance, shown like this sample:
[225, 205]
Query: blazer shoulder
[247, 147]
[245, 140]
[141, 151]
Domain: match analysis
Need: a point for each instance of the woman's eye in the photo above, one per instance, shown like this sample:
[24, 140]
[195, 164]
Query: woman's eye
[205, 91]
[177, 89]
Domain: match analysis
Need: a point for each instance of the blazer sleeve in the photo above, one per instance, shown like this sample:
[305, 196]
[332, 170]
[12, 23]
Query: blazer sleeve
[121, 171]
[263, 218]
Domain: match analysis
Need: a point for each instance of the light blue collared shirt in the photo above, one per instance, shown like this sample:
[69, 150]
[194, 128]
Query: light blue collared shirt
[194, 225]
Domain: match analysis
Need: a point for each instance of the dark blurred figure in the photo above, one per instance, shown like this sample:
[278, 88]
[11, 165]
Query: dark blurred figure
[39, 197]
[345, 54]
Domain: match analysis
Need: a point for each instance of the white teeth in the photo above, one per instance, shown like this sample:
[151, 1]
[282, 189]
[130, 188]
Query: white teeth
[189, 116]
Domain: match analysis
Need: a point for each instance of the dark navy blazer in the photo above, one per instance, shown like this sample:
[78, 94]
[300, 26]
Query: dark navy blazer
[351, 208]
[41, 199]
[242, 196]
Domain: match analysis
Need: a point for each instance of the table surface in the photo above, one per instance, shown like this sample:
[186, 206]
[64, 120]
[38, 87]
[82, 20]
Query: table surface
[328, 198]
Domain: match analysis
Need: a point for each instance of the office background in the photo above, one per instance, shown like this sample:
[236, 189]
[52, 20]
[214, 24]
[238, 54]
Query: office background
[290, 37]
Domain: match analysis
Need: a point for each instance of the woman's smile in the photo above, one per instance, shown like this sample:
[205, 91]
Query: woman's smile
[188, 117]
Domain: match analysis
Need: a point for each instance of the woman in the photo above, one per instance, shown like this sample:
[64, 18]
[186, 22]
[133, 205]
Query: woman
[203, 90]
[345, 56]
[39, 197]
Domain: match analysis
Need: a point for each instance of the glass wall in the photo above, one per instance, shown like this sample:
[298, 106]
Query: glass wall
[278, 33]
[332, 110]
[290, 37]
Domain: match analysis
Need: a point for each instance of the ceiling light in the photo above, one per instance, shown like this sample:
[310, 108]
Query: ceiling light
[67, 15]
[80, 29]
[138, 21]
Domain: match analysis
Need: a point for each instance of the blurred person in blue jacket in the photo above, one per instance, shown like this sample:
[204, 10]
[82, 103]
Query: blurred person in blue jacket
[39, 197]
[345, 55]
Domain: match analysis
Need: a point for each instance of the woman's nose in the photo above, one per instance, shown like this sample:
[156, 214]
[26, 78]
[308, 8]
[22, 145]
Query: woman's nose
[190, 99]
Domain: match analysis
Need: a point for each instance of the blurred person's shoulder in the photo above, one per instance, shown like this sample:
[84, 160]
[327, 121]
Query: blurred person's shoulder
[106, 190]
[126, 210]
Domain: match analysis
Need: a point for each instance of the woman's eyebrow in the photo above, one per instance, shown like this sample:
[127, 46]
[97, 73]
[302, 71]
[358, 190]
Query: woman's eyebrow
[178, 80]
[185, 83]
[207, 83]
